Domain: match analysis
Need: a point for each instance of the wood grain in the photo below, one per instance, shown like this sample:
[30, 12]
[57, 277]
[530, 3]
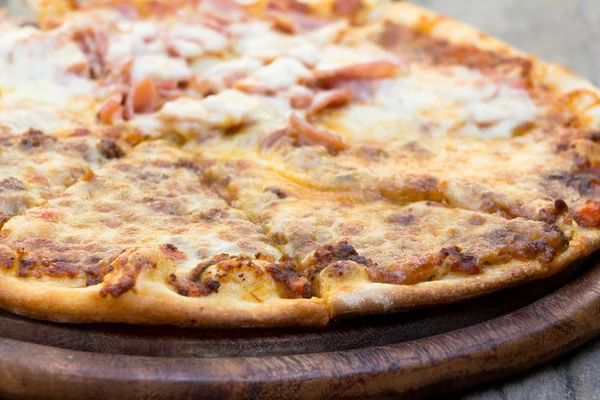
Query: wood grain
[567, 32]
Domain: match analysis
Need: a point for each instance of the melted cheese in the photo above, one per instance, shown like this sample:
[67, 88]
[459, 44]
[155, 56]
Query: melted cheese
[19, 120]
[43, 67]
[436, 103]
[158, 66]
[281, 74]
[209, 39]
[224, 110]
[336, 56]
[118, 209]
[30, 175]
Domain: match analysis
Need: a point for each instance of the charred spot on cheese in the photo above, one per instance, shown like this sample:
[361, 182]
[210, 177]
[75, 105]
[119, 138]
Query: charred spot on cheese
[328, 254]
[213, 214]
[372, 153]
[206, 278]
[198, 271]
[97, 268]
[57, 267]
[189, 288]
[285, 272]
[551, 213]
[588, 214]
[123, 272]
[33, 138]
[402, 219]
[277, 192]
[8, 257]
[517, 244]
[12, 183]
[584, 183]
[426, 268]
[110, 149]
[476, 220]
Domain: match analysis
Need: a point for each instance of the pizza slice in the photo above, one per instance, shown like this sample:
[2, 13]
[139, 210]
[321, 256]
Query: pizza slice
[36, 166]
[358, 247]
[145, 240]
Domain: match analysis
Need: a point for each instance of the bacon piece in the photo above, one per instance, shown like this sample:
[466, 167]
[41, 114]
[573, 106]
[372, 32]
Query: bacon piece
[306, 134]
[329, 98]
[142, 98]
[288, 5]
[166, 84]
[110, 111]
[301, 100]
[293, 22]
[370, 70]
[347, 7]
[588, 215]
[273, 138]
[224, 11]
[95, 46]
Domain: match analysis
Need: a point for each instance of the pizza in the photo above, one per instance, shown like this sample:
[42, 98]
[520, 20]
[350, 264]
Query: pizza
[263, 163]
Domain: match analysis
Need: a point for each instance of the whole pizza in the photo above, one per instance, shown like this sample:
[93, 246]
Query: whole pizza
[229, 163]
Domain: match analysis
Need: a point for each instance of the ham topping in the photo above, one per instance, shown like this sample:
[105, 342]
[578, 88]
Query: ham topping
[370, 70]
[327, 99]
[306, 134]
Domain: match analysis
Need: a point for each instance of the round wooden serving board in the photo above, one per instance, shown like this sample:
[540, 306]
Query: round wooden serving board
[418, 353]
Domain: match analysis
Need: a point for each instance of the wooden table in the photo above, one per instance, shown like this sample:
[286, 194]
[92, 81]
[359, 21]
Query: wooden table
[566, 32]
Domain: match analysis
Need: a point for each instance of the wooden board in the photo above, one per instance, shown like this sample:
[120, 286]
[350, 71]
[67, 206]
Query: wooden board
[421, 352]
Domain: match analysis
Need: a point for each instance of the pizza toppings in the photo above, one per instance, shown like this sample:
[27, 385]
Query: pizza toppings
[588, 214]
[208, 277]
[427, 268]
[110, 149]
[328, 99]
[143, 97]
[372, 70]
[278, 75]
[306, 134]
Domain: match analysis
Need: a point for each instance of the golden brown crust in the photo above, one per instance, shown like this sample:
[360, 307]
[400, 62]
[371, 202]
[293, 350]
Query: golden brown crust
[457, 32]
[150, 301]
[377, 298]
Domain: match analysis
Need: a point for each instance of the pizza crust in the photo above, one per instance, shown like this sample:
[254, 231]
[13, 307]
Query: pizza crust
[152, 302]
[558, 76]
[377, 298]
